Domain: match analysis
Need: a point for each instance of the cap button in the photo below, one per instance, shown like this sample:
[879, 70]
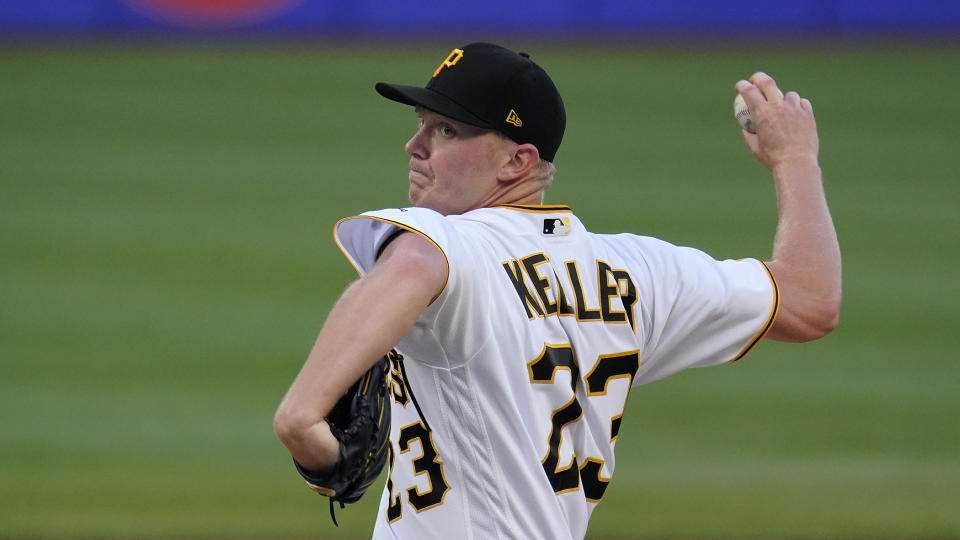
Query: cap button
[523, 54]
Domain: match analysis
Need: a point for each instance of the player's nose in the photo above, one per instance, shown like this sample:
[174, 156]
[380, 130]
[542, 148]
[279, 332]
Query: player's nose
[416, 146]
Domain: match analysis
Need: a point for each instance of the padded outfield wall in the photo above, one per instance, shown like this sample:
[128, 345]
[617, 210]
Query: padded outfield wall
[544, 18]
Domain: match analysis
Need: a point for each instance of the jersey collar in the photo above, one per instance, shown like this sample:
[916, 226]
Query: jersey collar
[539, 208]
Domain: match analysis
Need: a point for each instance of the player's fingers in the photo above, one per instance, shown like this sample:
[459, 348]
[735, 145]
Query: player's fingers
[751, 94]
[806, 105]
[792, 98]
[768, 86]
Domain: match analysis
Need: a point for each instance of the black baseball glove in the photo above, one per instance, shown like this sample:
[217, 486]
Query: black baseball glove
[360, 420]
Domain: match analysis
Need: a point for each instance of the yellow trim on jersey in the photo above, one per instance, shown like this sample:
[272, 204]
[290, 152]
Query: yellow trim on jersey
[619, 417]
[606, 382]
[446, 276]
[538, 208]
[436, 459]
[599, 478]
[770, 320]
[553, 374]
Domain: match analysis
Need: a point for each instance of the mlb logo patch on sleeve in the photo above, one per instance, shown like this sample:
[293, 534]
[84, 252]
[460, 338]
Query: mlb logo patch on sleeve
[556, 226]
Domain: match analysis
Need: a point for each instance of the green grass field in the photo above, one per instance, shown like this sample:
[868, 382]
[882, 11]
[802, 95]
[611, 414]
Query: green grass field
[166, 261]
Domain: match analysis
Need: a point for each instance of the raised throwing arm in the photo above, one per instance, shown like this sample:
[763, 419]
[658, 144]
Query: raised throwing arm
[806, 254]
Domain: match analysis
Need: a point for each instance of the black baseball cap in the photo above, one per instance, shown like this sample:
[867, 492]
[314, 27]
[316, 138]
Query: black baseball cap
[488, 86]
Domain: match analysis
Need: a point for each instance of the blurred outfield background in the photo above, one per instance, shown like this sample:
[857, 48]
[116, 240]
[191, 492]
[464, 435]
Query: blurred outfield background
[166, 261]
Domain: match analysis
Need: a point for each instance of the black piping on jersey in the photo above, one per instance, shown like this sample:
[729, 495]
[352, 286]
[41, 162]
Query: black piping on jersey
[547, 209]
[403, 226]
[770, 320]
[393, 236]
[413, 397]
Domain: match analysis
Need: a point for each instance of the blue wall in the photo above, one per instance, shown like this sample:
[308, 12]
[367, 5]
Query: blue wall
[426, 17]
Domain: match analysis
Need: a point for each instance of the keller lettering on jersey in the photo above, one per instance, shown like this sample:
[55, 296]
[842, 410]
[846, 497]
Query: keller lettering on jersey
[542, 295]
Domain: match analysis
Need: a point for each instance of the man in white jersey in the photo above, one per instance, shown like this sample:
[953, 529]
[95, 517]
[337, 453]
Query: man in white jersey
[520, 332]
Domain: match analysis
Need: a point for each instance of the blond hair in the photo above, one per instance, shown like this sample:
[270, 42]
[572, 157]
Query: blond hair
[543, 173]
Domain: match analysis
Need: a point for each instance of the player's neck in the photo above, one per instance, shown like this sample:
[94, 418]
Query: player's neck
[522, 193]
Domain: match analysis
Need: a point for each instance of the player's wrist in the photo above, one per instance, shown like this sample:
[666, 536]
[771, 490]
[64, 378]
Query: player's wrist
[797, 168]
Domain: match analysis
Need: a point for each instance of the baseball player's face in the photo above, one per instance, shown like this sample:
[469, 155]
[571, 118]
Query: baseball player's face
[453, 166]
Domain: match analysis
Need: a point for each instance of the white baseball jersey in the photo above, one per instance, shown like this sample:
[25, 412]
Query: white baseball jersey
[509, 389]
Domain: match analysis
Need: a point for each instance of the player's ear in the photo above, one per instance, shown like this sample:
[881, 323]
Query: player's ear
[522, 159]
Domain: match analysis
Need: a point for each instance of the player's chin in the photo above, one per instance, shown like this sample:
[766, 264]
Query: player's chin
[418, 188]
[422, 198]
[415, 195]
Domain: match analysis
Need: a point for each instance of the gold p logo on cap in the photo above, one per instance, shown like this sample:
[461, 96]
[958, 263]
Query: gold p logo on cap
[451, 60]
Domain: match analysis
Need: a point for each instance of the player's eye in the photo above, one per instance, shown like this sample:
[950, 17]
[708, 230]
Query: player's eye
[447, 131]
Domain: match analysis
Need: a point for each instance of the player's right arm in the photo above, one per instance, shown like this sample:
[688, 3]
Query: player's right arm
[367, 321]
[806, 254]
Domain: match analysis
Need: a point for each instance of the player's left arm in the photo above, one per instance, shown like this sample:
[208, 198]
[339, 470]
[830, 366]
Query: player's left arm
[371, 316]
[806, 253]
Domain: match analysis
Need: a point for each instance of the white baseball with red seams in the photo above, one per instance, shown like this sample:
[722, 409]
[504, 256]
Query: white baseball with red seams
[742, 114]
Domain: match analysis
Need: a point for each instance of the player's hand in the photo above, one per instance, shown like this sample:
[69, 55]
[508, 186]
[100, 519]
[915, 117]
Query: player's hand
[327, 449]
[312, 445]
[786, 128]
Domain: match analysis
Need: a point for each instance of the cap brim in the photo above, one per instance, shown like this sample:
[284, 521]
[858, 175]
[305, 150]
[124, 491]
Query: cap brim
[430, 99]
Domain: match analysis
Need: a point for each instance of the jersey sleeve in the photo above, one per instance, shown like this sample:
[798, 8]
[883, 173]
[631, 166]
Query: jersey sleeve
[361, 238]
[701, 312]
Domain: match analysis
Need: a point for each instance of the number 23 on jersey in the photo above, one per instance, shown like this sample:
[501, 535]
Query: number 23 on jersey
[542, 370]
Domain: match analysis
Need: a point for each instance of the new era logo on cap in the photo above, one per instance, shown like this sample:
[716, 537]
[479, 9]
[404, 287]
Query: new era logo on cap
[488, 86]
